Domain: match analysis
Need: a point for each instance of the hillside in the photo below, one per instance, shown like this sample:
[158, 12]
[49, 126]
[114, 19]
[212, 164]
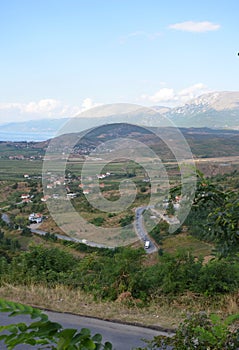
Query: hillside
[204, 142]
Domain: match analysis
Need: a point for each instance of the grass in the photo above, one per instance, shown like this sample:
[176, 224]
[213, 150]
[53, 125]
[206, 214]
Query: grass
[93, 233]
[184, 241]
[162, 312]
[27, 242]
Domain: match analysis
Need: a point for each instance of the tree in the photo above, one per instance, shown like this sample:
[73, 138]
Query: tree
[208, 195]
[223, 227]
[170, 208]
[20, 221]
[213, 216]
[26, 232]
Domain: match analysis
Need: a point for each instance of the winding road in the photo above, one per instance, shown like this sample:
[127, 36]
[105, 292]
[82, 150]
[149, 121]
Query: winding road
[35, 229]
[140, 230]
[138, 226]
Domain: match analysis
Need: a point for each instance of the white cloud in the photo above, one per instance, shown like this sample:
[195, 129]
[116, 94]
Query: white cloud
[42, 109]
[192, 92]
[46, 106]
[140, 33]
[170, 97]
[162, 95]
[197, 27]
[88, 103]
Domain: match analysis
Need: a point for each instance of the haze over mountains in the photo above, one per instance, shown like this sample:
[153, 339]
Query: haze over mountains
[219, 110]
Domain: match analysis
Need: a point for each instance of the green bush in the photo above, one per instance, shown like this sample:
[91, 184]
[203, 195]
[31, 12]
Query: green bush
[176, 273]
[40, 265]
[98, 221]
[218, 276]
[200, 332]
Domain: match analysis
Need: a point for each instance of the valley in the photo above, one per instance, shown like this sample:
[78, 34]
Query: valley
[102, 260]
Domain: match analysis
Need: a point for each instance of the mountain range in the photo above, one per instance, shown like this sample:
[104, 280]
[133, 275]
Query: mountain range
[214, 110]
[218, 110]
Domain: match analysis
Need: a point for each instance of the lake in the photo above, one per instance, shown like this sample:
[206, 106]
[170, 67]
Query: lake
[27, 136]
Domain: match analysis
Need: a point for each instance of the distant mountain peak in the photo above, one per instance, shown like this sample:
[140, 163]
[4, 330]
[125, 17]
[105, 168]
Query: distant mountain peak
[217, 100]
[161, 109]
[214, 110]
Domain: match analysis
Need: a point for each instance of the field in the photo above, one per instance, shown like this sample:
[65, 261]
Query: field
[15, 169]
[99, 226]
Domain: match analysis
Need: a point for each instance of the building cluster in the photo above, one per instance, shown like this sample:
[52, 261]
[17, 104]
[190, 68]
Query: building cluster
[23, 157]
[35, 218]
[26, 198]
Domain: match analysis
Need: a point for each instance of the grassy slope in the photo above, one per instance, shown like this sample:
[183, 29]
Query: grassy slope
[162, 312]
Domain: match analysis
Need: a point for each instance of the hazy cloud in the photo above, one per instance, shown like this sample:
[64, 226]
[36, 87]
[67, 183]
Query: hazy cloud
[42, 109]
[197, 27]
[191, 92]
[170, 97]
[162, 95]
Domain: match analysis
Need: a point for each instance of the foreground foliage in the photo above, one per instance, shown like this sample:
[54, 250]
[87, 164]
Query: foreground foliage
[45, 333]
[214, 217]
[200, 332]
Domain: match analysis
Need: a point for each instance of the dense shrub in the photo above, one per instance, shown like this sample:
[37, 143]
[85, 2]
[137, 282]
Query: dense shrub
[218, 276]
[108, 273]
[199, 332]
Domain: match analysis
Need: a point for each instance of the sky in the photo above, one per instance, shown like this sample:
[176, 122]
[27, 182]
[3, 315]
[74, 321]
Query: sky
[60, 57]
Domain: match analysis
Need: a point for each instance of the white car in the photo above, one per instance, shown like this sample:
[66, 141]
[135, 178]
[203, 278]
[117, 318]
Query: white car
[147, 244]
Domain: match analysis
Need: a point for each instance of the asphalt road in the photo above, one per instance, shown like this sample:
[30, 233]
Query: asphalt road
[5, 218]
[141, 232]
[34, 229]
[123, 337]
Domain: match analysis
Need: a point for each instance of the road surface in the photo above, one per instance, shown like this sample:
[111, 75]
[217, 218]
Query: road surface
[34, 229]
[123, 337]
[141, 232]
[5, 218]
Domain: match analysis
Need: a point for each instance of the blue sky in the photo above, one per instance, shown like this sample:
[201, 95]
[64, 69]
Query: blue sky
[61, 56]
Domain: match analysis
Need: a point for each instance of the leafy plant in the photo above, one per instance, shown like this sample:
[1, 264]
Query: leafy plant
[223, 227]
[45, 333]
[98, 221]
[200, 332]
